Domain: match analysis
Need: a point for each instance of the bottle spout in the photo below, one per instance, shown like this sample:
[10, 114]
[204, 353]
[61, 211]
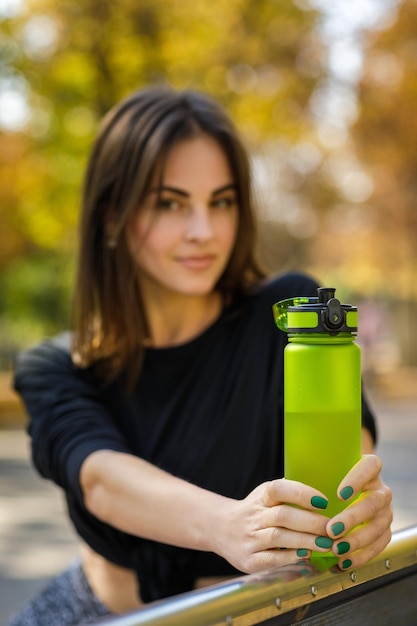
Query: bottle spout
[332, 315]
[325, 294]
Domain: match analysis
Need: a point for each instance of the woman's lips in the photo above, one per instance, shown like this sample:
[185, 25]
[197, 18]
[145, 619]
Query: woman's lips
[197, 262]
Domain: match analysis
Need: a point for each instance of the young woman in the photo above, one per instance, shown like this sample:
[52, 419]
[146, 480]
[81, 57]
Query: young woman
[160, 415]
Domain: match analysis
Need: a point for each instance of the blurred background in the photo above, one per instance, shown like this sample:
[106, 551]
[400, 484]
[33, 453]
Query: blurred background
[325, 96]
[324, 93]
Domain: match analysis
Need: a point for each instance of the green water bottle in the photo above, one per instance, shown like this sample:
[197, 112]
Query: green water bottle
[322, 392]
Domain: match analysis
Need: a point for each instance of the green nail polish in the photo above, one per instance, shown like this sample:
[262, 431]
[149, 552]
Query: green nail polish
[302, 552]
[343, 547]
[346, 563]
[323, 542]
[346, 493]
[338, 528]
[304, 572]
[318, 502]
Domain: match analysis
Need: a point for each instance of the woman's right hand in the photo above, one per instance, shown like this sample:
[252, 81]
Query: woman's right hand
[276, 524]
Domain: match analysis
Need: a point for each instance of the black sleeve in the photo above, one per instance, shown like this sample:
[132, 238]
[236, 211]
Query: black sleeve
[368, 418]
[67, 417]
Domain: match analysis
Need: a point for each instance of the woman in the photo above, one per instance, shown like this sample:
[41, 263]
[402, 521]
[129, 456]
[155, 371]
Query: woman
[160, 416]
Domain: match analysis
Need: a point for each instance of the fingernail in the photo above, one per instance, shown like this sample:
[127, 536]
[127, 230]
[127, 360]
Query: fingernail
[302, 552]
[346, 563]
[338, 528]
[323, 542]
[346, 493]
[343, 547]
[318, 502]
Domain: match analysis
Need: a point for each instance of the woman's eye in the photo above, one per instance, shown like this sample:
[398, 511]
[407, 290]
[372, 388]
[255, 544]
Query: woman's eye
[168, 204]
[224, 203]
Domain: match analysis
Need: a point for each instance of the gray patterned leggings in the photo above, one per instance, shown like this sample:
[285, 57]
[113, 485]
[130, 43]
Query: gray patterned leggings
[67, 601]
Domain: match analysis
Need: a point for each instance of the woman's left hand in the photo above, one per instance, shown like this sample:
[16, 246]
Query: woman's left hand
[362, 530]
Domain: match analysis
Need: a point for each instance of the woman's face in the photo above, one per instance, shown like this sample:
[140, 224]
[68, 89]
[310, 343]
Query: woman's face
[183, 233]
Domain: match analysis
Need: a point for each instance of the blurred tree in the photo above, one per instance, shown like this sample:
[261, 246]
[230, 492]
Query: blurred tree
[367, 240]
[385, 137]
[66, 63]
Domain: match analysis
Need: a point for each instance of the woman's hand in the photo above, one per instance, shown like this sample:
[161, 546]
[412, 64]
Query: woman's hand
[362, 530]
[276, 524]
[279, 522]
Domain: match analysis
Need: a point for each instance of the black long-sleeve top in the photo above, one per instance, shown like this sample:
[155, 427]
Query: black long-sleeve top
[209, 411]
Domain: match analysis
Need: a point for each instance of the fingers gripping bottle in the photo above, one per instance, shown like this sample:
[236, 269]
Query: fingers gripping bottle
[322, 392]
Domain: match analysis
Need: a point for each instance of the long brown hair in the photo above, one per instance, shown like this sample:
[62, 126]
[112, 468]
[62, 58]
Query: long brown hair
[109, 321]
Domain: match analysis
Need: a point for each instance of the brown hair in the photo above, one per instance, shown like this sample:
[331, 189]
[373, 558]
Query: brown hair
[135, 136]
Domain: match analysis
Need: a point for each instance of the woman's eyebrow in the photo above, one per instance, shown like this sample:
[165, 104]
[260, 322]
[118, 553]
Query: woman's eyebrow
[162, 188]
[229, 187]
[185, 194]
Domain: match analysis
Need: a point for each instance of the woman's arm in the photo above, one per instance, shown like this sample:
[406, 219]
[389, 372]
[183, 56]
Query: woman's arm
[141, 499]
[138, 498]
[77, 444]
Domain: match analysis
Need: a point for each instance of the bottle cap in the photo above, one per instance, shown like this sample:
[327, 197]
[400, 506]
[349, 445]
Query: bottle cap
[323, 314]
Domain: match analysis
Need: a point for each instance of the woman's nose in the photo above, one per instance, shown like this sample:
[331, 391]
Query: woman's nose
[199, 224]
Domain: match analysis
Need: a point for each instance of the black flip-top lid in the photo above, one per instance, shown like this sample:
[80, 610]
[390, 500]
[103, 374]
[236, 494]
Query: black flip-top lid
[323, 314]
